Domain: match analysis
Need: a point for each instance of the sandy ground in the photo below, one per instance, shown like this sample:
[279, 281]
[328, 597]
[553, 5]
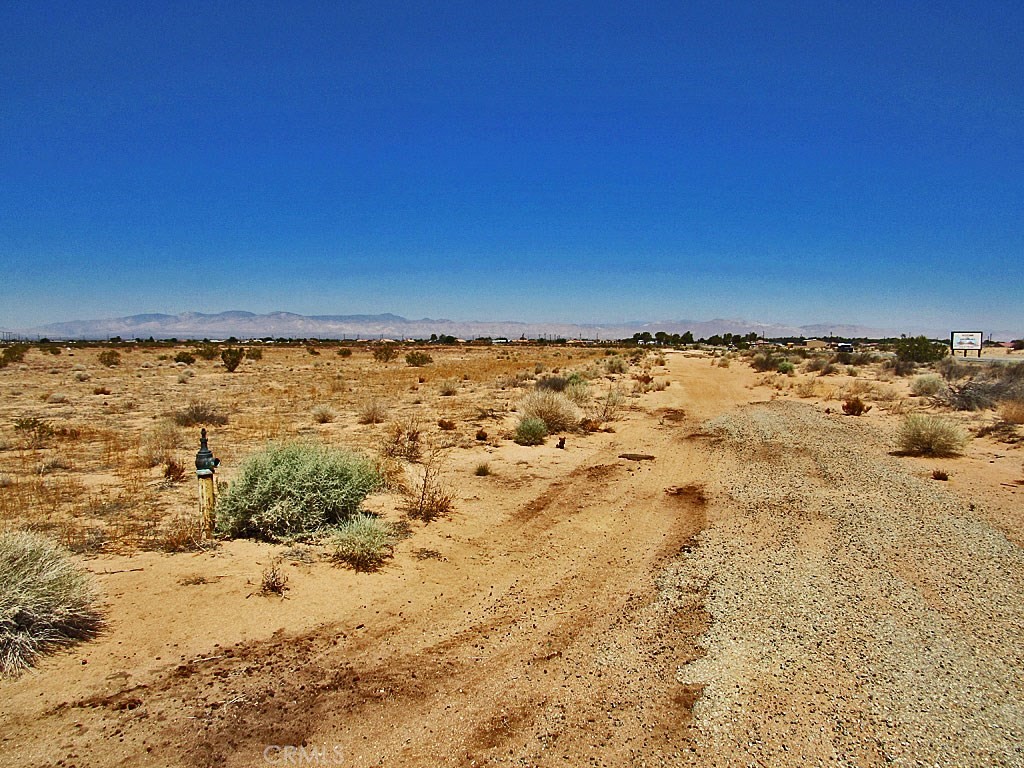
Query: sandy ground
[772, 588]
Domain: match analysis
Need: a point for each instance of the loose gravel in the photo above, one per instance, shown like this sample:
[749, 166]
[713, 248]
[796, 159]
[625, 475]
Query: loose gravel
[859, 615]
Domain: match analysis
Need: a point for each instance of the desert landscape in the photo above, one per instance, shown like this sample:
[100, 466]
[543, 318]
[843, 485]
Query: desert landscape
[723, 563]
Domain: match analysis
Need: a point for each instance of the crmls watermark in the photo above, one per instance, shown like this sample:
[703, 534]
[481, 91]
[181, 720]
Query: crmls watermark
[288, 754]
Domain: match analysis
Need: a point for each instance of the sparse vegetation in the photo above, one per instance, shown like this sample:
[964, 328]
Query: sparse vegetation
[432, 498]
[185, 357]
[531, 431]
[323, 414]
[402, 441]
[274, 580]
[418, 359]
[385, 353]
[854, 406]
[928, 435]
[363, 542]
[927, 385]
[199, 413]
[294, 489]
[372, 412]
[110, 358]
[46, 601]
[448, 388]
[231, 358]
[919, 349]
[554, 409]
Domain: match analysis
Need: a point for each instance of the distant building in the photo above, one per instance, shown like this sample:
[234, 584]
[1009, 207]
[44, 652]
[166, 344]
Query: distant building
[815, 344]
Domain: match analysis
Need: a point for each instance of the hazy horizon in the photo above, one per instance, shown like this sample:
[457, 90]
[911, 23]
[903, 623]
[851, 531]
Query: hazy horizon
[791, 163]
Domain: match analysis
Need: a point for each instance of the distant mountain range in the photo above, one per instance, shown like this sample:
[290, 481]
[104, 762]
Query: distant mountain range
[245, 325]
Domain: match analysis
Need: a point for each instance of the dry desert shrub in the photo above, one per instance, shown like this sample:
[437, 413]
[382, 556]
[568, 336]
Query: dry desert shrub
[199, 413]
[448, 387]
[372, 412]
[1012, 411]
[928, 385]
[323, 414]
[578, 392]
[363, 542]
[403, 441]
[557, 411]
[431, 498]
[159, 443]
[274, 580]
[46, 601]
[928, 435]
[854, 406]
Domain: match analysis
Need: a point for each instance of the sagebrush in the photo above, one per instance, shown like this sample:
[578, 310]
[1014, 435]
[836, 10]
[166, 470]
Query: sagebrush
[363, 542]
[292, 489]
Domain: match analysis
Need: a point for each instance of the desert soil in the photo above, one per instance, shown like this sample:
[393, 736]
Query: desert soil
[773, 587]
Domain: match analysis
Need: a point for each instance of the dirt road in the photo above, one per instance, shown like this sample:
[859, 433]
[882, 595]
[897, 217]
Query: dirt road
[771, 589]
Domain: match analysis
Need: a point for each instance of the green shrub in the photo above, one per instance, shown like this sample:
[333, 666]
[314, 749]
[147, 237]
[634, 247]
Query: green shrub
[364, 542]
[919, 349]
[185, 357]
[110, 358]
[385, 353]
[578, 392]
[418, 359]
[786, 367]
[207, 351]
[557, 411]
[765, 361]
[232, 358]
[927, 435]
[927, 386]
[293, 489]
[253, 353]
[530, 431]
[15, 353]
[46, 601]
[616, 365]
[344, 352]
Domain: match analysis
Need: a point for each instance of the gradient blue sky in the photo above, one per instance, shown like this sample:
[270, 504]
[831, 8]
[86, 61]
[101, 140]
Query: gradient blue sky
[792, 162]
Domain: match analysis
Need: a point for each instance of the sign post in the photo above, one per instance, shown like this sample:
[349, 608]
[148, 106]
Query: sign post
[966, 341]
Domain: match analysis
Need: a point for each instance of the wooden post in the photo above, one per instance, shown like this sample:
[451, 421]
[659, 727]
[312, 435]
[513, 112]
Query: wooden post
[205, 465]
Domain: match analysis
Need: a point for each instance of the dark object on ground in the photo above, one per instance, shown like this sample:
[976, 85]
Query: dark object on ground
[636, 456]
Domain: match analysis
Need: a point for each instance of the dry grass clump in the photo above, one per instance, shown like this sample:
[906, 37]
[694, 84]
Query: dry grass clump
[294, 489]
[274, 580]
[1012, 411]
[373, 412]
[927, 435]
[323, 414]
[557, 411]
[854, 406]
[928, 385]
[46, 601]
[363, 542]
[199, 413]
[159, 444]
[449, 387]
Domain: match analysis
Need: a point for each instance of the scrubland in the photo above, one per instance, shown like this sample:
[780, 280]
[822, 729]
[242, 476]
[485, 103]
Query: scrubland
[733, 557]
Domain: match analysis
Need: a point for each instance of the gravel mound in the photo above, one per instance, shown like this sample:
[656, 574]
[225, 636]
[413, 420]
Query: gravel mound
[860, 615]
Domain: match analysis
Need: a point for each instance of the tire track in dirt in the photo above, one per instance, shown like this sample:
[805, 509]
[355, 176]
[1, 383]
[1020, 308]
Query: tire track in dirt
[559, 638]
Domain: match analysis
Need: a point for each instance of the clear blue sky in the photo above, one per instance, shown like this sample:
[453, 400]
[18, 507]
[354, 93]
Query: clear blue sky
[595, 161]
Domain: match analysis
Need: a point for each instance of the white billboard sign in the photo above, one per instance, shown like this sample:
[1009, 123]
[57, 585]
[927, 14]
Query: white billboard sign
[966, 341]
